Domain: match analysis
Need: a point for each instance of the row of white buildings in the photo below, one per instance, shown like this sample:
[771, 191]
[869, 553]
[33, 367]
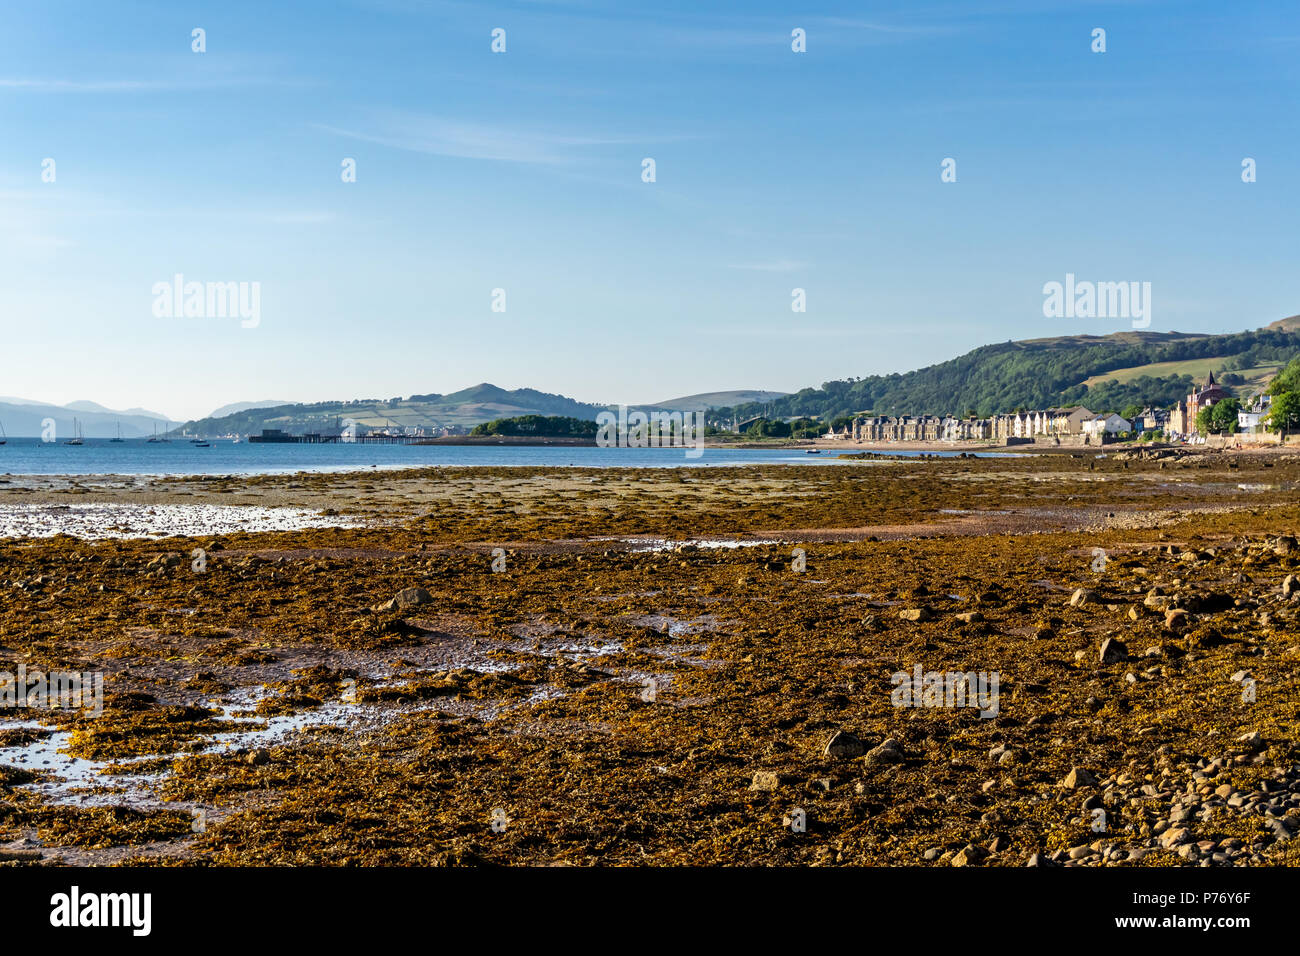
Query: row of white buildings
[1073, 423]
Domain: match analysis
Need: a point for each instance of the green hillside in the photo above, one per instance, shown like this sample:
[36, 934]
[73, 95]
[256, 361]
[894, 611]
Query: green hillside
[460, 410]
[1105, 373]
[1252, 379]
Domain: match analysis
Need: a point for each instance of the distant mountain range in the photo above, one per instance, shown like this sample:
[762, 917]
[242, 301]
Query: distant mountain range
[458, 410]
[23, 417]
[1106, 373]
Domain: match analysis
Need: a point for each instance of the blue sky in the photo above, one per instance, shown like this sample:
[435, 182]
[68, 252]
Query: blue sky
[522, 171]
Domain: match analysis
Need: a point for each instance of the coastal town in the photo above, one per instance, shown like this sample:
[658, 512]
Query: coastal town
[1076, 425]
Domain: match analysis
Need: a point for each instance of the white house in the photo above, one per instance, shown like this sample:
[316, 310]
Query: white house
[1110, 424]
[1250, 418]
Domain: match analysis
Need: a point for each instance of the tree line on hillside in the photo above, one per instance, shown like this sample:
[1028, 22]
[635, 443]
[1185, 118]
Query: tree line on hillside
[538, 426]
[775, 428]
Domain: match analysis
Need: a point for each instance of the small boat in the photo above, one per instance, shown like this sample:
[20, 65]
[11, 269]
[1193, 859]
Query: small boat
[119, 437]
[3, 437]
[201, 444]
[76, 425]
[813, 451]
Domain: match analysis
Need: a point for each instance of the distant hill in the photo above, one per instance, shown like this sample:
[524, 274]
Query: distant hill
[1107, 372]
[84, 406]
[485, 402]
[234, 407]
[460, 410]
[26, 419]
[471, 406]
[708, 400]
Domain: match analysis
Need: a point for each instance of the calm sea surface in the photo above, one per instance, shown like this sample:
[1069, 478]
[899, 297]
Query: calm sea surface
[99, 456]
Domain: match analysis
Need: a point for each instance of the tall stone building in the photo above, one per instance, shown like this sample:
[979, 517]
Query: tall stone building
[1183, 417]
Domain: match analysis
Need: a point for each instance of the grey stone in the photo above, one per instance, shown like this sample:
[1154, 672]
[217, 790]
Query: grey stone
[407, 597]
[889, 751]
[844, 746]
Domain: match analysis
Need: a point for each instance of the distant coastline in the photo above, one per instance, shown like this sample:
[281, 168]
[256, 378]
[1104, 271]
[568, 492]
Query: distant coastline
[519, 440]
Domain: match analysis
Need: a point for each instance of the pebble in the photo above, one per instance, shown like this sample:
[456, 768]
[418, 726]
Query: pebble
[1112, 651]
[1078, 777]
[889, 751]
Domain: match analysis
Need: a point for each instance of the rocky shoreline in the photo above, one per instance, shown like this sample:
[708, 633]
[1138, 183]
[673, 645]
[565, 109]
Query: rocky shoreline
[673, 666]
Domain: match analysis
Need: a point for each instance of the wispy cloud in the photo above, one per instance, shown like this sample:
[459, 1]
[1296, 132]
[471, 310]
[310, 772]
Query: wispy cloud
[872, 26]
[237, 74]
[777, 265]
[306, 218]
[79, 86]
[446, 137]
[784, 331]
[775, 34]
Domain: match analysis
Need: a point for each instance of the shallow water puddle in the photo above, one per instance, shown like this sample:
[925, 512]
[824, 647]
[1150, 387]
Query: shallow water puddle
[646, 545]
[587, 651]
[97, 521]
[676, 627]
[79, 782]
